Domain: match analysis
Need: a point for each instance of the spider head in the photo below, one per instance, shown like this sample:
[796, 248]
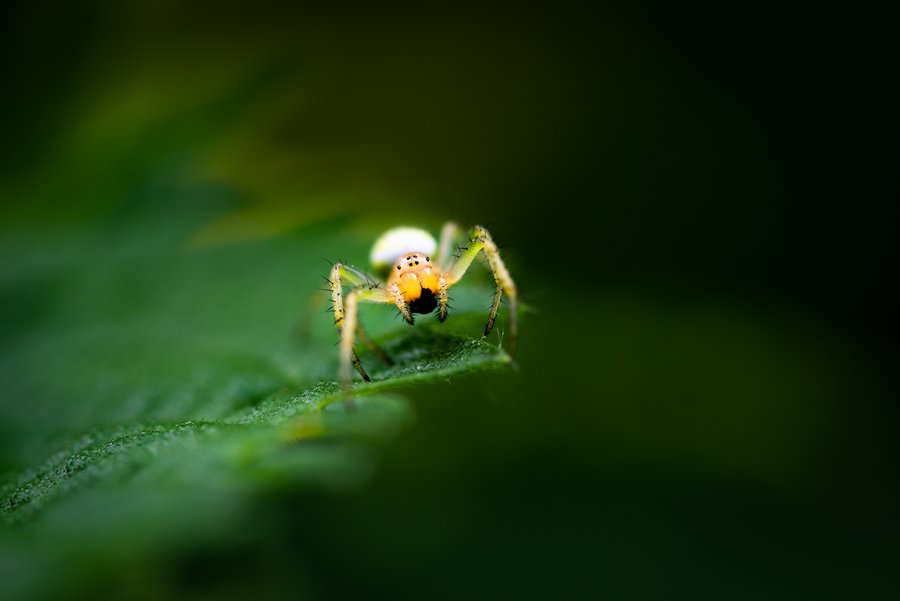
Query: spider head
[418, 281]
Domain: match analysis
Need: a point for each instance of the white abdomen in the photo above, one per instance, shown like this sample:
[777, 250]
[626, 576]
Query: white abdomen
[400, 240]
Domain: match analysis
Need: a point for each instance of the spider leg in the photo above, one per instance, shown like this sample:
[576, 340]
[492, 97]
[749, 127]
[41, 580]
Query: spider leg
[443, 259]
[349, 327]
[348, 332]
[495, 304]
[443, 299]
[449, 235]
[397, 298]
[346, 311]
[481, 241]
[356, 277]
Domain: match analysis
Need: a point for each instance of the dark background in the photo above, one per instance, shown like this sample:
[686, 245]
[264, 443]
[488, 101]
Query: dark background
[697, 212]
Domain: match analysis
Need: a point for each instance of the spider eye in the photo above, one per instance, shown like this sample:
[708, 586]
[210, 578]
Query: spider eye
[427, 258]
[398, 268]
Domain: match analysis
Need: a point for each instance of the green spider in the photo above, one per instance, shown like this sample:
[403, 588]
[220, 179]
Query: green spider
[419, 272]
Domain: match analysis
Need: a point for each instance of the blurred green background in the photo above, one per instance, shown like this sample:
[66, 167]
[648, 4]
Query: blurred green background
[695, 210]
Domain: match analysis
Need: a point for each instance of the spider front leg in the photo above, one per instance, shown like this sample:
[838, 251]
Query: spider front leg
[481, 241]
[396, 297]
[443, 298]
[346, 317]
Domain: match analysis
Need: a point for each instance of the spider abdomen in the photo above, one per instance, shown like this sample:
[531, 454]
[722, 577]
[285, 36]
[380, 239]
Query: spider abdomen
[400, 241]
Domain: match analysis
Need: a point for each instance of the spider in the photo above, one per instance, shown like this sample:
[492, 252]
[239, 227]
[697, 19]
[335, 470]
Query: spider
[418, 271]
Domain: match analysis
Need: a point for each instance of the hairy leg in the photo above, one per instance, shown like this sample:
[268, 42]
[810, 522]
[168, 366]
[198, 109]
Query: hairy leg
[481, 240]
[396, 297]
[443, 298]
[346, 316]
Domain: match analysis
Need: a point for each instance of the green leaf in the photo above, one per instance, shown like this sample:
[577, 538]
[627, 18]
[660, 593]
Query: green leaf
[284, 417]
[149, 367]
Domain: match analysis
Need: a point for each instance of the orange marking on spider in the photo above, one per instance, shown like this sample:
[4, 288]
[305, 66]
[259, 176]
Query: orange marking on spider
[419, 272]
